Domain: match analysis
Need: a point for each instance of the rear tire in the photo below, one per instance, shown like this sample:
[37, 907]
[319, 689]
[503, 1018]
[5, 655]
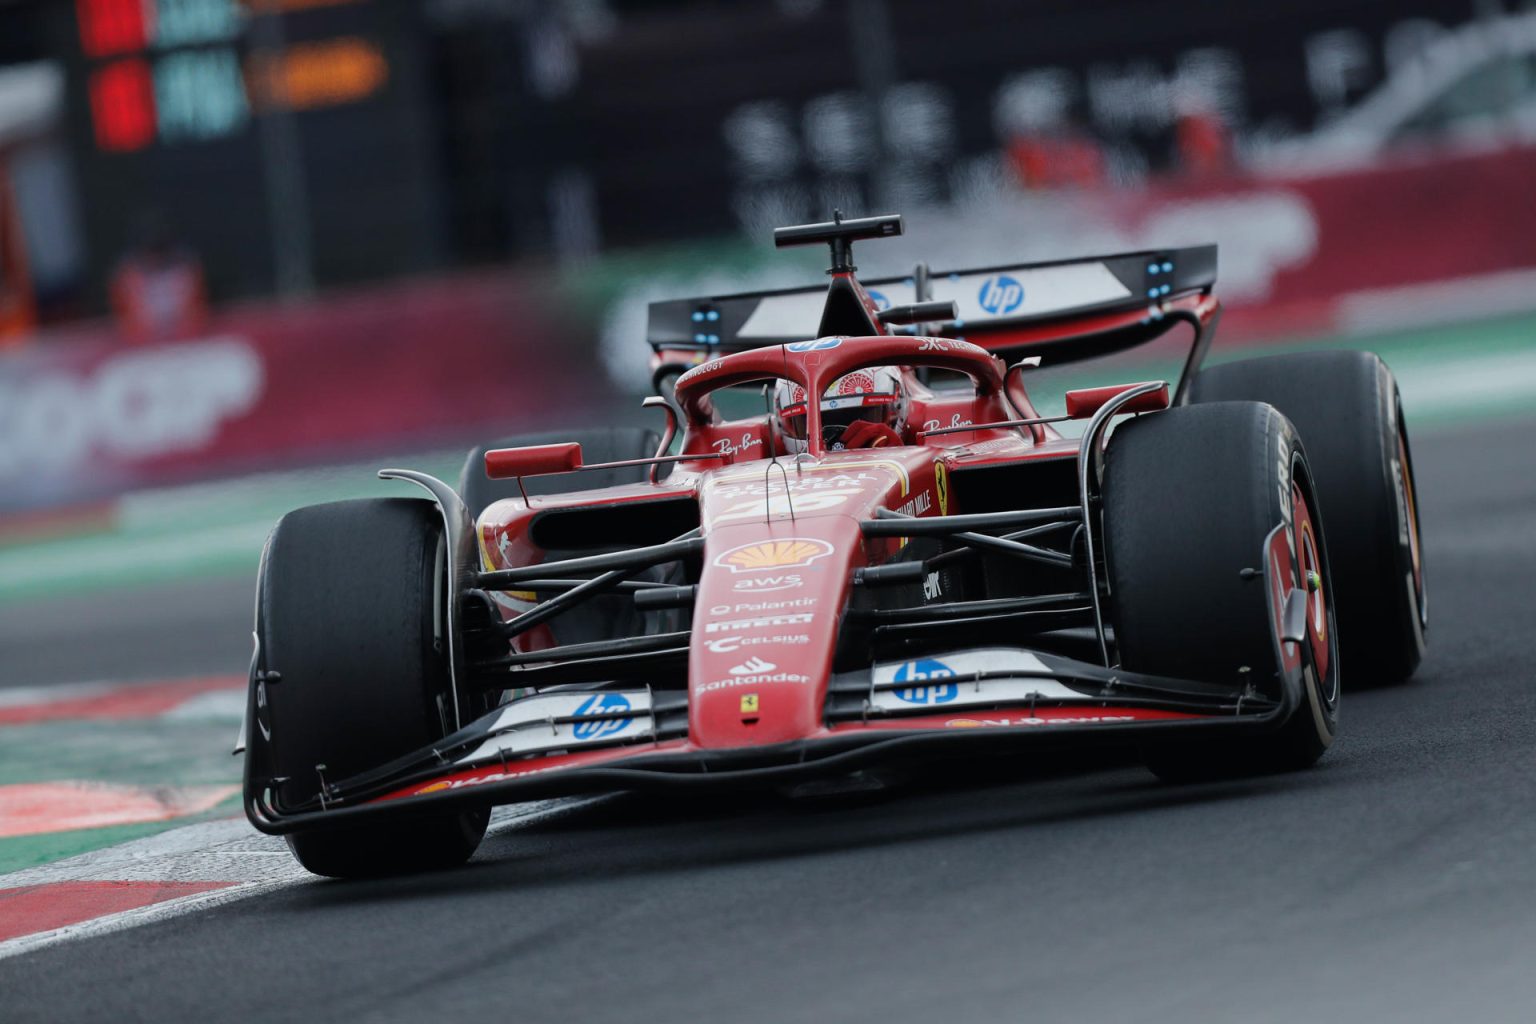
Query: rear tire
[347, 616]
[1190, 496]
[1348, 411]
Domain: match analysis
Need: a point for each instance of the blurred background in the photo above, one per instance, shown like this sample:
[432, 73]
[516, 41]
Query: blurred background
[253, 250]
[250, 247]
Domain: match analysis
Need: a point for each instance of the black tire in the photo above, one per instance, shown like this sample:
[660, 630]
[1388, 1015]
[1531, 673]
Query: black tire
[1190, 496]
[347, 618]
[1348, 411]
[603, 444]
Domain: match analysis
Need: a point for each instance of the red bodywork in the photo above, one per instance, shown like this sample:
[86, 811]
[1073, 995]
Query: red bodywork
[768, 652]
[783, 541]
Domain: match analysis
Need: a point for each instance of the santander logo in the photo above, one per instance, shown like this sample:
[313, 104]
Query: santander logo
[753, 666]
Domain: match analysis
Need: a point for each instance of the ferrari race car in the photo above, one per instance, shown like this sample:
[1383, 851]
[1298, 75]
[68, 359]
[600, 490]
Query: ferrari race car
[896, 557]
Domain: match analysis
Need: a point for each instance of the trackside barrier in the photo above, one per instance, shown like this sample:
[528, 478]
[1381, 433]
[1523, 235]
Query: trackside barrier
[85, 415]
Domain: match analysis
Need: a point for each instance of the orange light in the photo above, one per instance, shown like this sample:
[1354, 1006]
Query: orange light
[321, 74]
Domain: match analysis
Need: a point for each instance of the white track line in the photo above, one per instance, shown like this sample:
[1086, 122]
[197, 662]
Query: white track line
[229, 850]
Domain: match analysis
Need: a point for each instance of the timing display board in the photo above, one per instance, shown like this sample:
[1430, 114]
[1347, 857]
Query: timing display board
[171, 104]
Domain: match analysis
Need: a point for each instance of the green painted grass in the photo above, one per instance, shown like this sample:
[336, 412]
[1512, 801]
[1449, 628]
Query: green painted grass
[18, 852]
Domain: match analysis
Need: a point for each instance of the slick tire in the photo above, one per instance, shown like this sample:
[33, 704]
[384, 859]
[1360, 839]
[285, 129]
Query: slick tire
[348, 619]
[1190, 496]
[1348, 411]
[603, 444]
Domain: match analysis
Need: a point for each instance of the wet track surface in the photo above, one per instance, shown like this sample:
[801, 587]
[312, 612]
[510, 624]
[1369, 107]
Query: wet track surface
[1395, 881]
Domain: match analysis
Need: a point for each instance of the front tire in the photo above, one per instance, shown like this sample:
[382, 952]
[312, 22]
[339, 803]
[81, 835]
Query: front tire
[1190, 496]
[348, 618]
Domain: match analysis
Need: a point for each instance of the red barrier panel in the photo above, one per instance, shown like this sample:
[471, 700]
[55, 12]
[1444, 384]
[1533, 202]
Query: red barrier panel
[1434, 238]
[440, 363]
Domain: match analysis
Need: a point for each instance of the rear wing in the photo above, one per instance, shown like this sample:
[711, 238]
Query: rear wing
[1066, 309]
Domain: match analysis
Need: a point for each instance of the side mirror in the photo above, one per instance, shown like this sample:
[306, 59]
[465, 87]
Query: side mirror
[1083, 403]
[534, 460]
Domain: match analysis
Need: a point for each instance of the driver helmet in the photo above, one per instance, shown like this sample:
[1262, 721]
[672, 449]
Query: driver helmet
[873, 393]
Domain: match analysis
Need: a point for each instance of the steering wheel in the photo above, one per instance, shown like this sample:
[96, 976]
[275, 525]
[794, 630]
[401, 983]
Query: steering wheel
[832, 435]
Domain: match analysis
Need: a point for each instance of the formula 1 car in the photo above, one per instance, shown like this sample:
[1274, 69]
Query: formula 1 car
[898, 558]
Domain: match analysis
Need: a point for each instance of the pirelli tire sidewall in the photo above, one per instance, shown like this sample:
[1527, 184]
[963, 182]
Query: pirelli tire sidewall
[350, 673]
[1190, 496]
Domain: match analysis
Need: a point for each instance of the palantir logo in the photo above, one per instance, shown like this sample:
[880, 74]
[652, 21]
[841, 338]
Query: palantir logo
[919, 671]
[1000, 294]
[602, 704]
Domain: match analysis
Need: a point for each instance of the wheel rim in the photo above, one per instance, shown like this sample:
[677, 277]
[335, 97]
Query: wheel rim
[1312, 567]
[1407, 497]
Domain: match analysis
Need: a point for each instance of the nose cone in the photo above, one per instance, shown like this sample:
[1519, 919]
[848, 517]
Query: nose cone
[765, 627]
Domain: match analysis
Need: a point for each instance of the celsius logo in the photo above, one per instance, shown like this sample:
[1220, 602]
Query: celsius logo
[819, 345]
[602, 704]
[878, 298]
[753, 666]
[1000, 294]
[919, 671]
[727, 644]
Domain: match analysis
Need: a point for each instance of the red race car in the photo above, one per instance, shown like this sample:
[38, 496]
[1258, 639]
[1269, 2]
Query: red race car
[898, 557]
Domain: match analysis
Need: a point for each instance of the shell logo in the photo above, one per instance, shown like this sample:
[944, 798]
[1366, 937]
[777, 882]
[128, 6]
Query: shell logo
[435, 787]
[773, 554]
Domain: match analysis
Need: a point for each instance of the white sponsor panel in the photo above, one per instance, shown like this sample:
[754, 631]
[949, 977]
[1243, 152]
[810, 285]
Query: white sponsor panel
[1006, 294]
[949, 681]
[527, 725]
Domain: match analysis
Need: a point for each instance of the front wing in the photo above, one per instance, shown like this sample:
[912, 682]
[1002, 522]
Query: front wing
[990, 699]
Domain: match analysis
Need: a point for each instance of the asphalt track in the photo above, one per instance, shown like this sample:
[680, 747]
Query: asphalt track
[1396, 881]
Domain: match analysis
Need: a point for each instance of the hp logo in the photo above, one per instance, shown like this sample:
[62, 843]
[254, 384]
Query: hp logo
[920, 671]
[1000, 294]
[601, 704]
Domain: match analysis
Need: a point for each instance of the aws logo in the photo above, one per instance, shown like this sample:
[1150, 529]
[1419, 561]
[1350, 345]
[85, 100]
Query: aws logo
[768, 584]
